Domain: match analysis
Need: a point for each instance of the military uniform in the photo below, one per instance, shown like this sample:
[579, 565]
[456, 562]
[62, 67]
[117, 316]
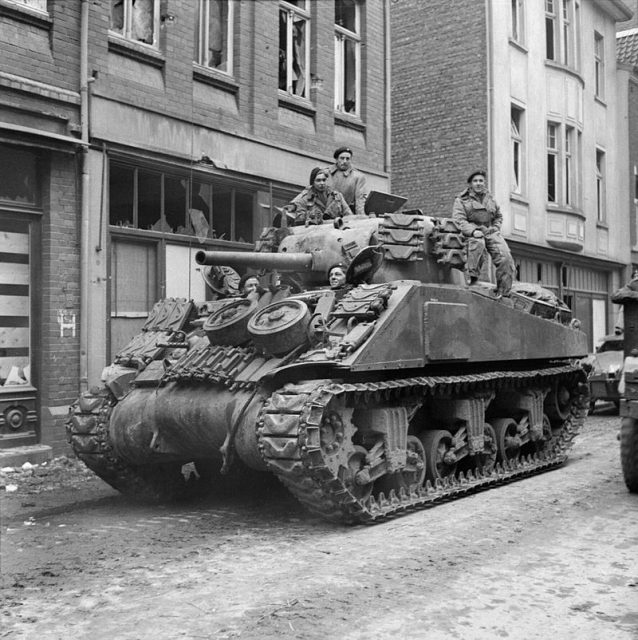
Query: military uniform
[313, 207]
[472, 213]
[352, 184]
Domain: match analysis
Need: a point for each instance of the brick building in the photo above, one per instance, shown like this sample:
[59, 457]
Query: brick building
[144, 130]
[40, 169]
[528, 91]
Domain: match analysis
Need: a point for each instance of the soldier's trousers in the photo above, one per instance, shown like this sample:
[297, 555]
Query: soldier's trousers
[501, 256]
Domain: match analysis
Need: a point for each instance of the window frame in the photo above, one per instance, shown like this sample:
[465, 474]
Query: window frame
[518, 21]
[517, 148]
[552, 152]
[31, 4]
[601, 186]
[342, 36]
[599, 65]
[203, 34]
[300, 13]
[127, 23]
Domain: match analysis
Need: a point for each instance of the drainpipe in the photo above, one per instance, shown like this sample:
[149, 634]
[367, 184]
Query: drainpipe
[388, 92]
[489, 27]
[84, 224]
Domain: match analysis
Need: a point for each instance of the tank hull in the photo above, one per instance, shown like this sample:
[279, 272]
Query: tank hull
[183, 423]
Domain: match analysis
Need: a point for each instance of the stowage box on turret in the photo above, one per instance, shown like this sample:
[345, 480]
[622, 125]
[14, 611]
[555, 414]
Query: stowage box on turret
[403, 388]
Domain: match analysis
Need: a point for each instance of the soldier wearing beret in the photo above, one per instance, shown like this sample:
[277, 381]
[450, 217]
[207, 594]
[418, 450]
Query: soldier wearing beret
[343, 177]
[318, 201]
[479, 218]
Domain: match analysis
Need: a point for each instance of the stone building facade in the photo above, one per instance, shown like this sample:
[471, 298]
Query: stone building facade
[529, 92]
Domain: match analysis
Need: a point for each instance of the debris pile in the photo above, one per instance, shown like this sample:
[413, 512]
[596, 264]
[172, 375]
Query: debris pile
[48, 476]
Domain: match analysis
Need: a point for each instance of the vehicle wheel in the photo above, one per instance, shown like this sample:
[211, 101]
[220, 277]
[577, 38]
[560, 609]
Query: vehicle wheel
[507, 439]
[440, 459]
[629, 453]
[486, 459]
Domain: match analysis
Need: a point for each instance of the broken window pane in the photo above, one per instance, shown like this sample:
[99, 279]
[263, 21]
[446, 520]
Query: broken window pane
[213, 31]
[345, 14]
[175, 205]
[293, 52]
[135, 19]
[347, 56]
[244, 216]
[149, 201]
[19, 175]
[222, 212]
[117, 16]
[121, 180]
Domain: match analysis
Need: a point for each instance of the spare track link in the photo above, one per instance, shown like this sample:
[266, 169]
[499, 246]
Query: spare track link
[87, 432]
[292, 451]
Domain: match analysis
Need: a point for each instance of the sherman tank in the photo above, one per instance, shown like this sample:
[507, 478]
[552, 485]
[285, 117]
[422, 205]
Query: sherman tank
[400, 390]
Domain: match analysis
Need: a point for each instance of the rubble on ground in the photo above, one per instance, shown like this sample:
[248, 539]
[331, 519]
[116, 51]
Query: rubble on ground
[28, 478]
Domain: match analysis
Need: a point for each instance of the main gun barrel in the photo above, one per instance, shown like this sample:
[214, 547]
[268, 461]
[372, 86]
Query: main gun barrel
[275, 261]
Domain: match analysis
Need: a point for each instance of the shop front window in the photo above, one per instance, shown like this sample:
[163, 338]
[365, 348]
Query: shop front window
[15, 304]
[19, 182]
[157, 201]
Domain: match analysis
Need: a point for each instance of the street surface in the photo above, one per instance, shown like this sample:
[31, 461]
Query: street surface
[554, 556]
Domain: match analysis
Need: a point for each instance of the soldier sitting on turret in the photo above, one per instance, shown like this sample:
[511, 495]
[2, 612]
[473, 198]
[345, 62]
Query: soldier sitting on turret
[479, 218]
[319, 202]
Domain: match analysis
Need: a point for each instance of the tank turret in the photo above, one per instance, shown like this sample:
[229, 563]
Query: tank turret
[402, 388]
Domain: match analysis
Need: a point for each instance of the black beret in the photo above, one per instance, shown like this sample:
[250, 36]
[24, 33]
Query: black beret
[478, 172]
[314, 172]
[341, 150]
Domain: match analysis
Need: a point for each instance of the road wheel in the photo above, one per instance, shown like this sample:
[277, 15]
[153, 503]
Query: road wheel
[440, 459]
[629, 453]
[507, 439]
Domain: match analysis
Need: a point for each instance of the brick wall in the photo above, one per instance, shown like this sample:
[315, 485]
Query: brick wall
[60, 291]
[167, 86]
[439, 99]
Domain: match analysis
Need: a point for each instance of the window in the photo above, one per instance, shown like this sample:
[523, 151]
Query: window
[517, 149]
[518, 32]
[567, 33]
[561, 28]
[599, 66]
[40, 5]
[552, 162]
[19, 178]
[136, 20]
[569, 166]
[563, 162]
[550, 30]
[294, 50]
[156, 201]
[214, 35]
[347, 56]
[600, 186]
[15, 302]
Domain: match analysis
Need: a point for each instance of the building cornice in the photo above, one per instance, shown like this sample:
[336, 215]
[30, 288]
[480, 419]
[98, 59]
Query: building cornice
[617, 9]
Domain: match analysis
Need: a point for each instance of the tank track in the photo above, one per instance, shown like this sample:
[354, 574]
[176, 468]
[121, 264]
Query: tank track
[289, 440]
[87, 432]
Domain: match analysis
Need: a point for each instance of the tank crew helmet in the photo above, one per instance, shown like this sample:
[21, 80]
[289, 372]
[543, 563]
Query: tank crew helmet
[478, 172]
[341, 150]
[315, 172]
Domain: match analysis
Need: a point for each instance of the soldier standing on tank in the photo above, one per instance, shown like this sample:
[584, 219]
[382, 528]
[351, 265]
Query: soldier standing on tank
[343, 177]
[318, 202]
[479, 218]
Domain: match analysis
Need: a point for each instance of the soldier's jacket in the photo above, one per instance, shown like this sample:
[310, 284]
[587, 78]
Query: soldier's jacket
[311, 209]
[470, 213]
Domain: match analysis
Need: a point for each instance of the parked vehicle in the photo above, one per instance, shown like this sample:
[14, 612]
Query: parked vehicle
[605, 367]
[628, 388]
[403, 389]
